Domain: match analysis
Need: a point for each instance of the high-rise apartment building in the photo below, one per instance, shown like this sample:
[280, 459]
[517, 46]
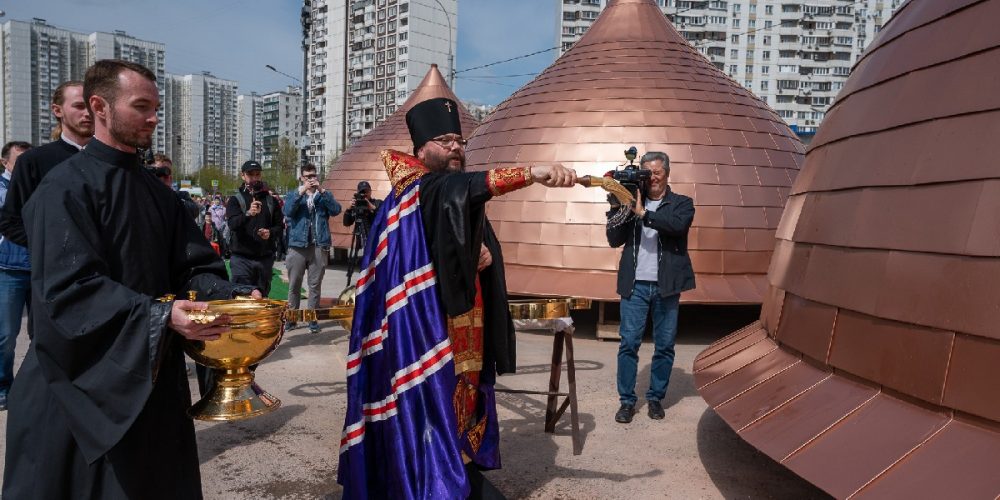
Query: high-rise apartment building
[364, 57]
[249, 127]
[795, 56]
[281, 117]
[203, 119]
[37, 57]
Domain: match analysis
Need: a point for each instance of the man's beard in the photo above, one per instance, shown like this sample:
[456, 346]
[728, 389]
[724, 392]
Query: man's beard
[79, 130]
[437, 163]
[134, 138]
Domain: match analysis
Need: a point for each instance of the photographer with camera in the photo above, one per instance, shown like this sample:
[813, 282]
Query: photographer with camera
[654, 269]
[255, 224]
[308, 210]
[362, 211]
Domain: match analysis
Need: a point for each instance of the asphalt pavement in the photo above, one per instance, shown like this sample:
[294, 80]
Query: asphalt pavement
[691, 454]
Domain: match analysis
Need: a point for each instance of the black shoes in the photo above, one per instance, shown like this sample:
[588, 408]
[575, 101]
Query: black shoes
[655, 410]
[625, 413]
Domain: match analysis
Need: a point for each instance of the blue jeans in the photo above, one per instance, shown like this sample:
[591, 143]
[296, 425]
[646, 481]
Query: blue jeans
[645, 298]
[14, 299]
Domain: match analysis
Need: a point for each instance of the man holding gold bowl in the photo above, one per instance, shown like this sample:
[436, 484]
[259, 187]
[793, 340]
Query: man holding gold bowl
[100, 400]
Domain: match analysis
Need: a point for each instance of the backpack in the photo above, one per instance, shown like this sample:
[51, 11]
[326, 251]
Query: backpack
[228, 233]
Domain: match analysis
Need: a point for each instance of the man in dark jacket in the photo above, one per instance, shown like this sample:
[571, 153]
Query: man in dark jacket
[256, 223]
[654, 269]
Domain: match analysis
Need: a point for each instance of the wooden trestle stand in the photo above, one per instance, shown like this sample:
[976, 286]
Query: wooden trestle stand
[553, 314]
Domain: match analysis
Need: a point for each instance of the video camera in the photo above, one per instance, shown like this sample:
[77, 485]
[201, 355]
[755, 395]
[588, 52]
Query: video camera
[633, 177]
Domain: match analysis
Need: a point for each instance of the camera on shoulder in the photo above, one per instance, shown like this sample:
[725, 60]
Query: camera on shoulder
[632, 176]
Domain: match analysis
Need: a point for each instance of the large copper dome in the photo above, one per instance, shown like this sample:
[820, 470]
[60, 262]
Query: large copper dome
[361, 161]
[875, 368]
[632, 80]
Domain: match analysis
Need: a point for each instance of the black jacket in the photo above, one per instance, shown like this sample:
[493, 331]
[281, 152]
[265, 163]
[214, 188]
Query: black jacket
[671, 219]
[29, 170]
[364, 215]
[246, 242]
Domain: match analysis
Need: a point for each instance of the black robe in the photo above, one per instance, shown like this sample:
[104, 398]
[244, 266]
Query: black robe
[453, 209]
[29, 170]
[97, 409]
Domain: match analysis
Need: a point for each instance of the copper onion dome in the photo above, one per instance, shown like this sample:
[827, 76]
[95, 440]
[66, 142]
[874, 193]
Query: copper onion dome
[361, 161]
[632, 80]
[873, 372]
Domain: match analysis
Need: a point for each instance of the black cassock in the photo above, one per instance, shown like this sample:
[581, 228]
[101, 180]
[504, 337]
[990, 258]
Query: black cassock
[453, 208]
[97, 409]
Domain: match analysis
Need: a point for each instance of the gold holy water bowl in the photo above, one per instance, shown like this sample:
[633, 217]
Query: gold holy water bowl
[255, 328]
[545, 308]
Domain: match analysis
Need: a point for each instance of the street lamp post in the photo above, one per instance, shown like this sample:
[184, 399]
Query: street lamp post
[451, 54]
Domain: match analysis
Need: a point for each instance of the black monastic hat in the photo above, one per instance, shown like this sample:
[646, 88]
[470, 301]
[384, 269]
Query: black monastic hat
[432, 118]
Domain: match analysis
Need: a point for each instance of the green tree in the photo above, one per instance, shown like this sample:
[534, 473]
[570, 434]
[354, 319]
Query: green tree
[283, 174]
[227, 182]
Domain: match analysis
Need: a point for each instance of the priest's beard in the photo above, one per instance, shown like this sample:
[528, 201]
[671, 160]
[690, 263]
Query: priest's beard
[450, 161]
[129, 136]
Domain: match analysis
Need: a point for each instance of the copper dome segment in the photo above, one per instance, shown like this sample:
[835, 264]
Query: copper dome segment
[882, 302]
[361, 161]
[633, 80]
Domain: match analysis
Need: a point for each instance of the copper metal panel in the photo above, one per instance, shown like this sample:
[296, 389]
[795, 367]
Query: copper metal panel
[729, 365]
[867, 442]
[633, 80]
[806, 326]
[725, 343]
[771, 393]
[734, 384]
[960, 461]
[361, 161]
[803, 418]
[973, 385]
[884, 276]
[883, 351]
[726, 348]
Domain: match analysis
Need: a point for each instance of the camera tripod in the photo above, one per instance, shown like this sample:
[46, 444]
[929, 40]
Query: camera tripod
[359, 239]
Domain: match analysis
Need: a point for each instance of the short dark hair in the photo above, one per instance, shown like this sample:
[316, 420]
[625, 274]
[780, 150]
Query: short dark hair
[308, 167]
[22, 145]
[102, 78]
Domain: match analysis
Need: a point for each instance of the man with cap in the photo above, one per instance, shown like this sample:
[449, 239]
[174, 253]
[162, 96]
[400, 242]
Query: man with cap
[255, 224]
[431, 328]
[308, 210]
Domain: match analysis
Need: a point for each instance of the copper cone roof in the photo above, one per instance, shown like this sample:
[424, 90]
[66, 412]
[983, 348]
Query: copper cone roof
[632, 80]
[873, 371]
[361, 161]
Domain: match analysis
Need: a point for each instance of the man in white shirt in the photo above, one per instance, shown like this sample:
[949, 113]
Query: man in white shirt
[654, 269]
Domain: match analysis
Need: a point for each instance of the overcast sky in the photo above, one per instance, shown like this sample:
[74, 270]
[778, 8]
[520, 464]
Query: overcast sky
[234, 39]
